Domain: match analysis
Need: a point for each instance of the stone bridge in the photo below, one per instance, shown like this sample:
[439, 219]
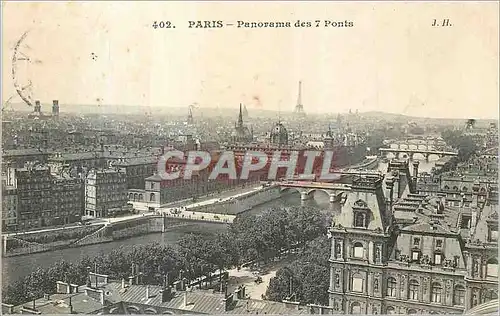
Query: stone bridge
[429, 143]
[305, 188]
[411, 152]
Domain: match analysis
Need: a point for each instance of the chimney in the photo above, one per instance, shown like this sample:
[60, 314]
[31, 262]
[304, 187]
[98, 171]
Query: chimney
[166, 294]
[185, 299]
[441, 203]
[228, 302]
[46, 297]
[415, 168]
[147, 291]
[390, 187]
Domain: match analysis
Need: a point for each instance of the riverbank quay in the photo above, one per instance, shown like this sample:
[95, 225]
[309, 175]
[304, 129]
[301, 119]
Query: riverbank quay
[162, 219]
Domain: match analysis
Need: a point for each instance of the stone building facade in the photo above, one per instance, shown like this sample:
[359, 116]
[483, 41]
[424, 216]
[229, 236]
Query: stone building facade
[395, 251]
[105, 193]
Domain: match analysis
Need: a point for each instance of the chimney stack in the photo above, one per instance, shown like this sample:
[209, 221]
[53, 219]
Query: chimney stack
[147, 291]
[123, 284]
[390, 187]
[185, 299]
[166, 294]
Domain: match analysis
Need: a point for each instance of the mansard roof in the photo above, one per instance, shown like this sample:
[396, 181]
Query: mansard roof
[427, 227]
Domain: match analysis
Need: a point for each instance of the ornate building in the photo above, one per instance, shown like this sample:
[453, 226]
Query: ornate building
[278, 135]
[395, 251]
[241, 133]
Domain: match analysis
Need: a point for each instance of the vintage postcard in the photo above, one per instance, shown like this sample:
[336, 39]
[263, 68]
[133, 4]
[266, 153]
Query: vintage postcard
[250, 157]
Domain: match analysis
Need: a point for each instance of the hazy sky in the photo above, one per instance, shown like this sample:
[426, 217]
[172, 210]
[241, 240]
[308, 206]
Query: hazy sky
[391, 60]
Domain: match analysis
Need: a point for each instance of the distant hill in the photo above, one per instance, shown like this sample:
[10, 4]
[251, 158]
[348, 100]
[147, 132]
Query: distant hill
[217, 111]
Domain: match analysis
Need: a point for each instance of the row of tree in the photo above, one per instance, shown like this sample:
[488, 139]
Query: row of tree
[250, 238]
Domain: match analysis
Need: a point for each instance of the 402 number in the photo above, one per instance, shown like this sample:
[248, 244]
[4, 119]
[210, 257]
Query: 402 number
[162, 25]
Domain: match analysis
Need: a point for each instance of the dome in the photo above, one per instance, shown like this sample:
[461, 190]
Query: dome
[279, 135]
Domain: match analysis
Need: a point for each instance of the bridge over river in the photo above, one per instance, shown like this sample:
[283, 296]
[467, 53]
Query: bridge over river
[410, 153]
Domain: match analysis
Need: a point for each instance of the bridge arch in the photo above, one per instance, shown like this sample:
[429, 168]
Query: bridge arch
[310, 192]
[291, 190]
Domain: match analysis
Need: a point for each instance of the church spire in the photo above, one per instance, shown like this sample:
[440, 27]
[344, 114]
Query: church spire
[240, 117]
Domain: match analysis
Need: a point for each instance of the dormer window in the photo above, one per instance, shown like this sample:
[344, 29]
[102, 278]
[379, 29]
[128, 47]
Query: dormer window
[360, 219]
[416, 242]
[361, 213]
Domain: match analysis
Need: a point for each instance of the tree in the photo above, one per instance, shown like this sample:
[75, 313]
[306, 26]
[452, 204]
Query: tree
[309, 276]
[306, 223]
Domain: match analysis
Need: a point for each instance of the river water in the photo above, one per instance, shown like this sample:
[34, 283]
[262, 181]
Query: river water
[14, 268]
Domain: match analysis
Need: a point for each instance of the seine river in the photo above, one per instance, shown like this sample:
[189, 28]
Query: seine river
[14, 268]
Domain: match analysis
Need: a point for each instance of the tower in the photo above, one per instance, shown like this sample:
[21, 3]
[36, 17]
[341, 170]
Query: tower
[240, 117]
[55, 108]
[190, 115]
[299, 108]
[38, 108]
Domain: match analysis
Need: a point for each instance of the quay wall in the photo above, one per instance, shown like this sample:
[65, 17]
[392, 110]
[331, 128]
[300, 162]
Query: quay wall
[239, 204]
[16, 246]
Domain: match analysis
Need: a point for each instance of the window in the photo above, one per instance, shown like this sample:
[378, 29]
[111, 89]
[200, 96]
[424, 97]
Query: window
[439, 243]
[465, 222]
[493, 233]
[358, 250]
[436, 290]
[152, 185]
[355, 308]
[415, 255]
[391, 287]
[357, 283]
[359, 219]
[411, 311]
[413, 290]
[416, 242]
[459, 295]
[152, 197]
[490, 295]
[492, 268]
[338, 250]
[390, 310]
[437, 258]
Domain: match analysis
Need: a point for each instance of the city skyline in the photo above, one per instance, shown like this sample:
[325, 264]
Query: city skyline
[391, 60]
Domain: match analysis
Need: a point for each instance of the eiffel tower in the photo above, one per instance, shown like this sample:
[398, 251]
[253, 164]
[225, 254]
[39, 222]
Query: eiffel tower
[299, 108]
